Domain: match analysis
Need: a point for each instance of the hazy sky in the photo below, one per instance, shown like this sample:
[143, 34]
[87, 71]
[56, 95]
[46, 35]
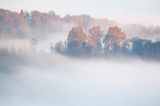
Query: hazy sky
[132, 11]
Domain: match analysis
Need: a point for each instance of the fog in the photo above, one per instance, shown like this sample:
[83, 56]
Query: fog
[50, 79]
[44, 42]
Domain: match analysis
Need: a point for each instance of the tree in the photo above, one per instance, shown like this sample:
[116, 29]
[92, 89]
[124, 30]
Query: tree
[73, 48]
[86, 49]
[76, 34]
[113, 40]
[59, 47]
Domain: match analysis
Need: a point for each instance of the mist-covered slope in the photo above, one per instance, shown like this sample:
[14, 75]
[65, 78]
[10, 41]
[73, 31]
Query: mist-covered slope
[35, 23]
[39, 24]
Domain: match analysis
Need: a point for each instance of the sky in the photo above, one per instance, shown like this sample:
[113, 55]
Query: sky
[124, 11]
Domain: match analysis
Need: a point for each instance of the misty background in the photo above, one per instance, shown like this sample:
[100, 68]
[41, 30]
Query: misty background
[33, 73]
[124, 11]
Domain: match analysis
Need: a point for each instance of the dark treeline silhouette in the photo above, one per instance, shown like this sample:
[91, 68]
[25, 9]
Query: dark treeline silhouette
[113, 43]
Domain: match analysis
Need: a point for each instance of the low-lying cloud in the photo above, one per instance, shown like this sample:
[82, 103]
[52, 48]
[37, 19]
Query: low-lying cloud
[47, 79]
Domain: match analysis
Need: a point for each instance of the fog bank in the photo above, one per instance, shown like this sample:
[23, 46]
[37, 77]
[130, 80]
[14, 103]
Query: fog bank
[45, 79]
